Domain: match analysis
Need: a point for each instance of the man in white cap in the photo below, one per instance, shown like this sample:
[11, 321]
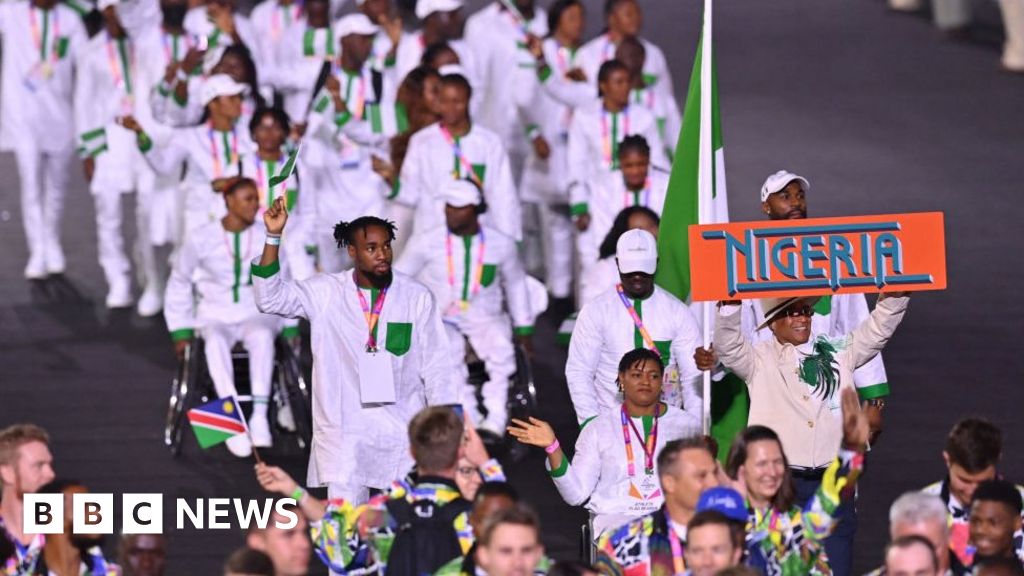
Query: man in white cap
[453, 149]
[475, 272]
[40, 39]
[794, 379]
[635, 314]
[442, 22]
[354, 113]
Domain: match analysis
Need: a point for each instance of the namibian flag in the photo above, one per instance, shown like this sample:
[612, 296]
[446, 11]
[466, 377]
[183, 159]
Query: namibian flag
[216, 421]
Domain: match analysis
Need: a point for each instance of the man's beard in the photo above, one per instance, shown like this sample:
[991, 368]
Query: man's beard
[378, 280]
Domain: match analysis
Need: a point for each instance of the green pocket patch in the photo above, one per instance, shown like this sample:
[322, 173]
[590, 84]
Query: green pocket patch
[399, 338]
[488, 274]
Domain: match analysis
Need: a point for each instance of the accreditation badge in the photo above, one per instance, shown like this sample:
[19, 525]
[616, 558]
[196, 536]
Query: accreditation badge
[644, 494]
[376, 378]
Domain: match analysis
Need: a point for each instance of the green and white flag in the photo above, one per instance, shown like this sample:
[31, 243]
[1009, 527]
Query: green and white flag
[287, 169]
[696, 189]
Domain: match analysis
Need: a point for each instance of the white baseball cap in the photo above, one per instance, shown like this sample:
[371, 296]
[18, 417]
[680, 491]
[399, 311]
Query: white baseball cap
[357, 23]
[219, 85]
[460, 193]
[425, 8]
[452, 70]
[637, 251]
[779, 180]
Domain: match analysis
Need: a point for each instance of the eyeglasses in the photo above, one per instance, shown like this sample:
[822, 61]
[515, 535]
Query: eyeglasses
[467, 471]
[797, 311]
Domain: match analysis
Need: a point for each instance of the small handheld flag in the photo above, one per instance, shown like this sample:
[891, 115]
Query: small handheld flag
[287, 169]
[217, 421]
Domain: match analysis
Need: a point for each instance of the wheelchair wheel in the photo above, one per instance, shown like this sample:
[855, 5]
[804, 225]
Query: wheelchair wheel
[184, 388]
[293, 392]
[522, 394]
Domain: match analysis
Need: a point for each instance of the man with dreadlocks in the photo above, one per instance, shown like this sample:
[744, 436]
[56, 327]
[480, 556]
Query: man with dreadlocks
[795, 377]
[375, 339]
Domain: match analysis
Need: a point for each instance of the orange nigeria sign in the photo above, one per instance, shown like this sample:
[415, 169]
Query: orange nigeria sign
[818, 256]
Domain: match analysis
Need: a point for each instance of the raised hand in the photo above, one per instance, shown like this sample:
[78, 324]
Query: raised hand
[856, 428]
[274, 479]
[130, 123]
[476, 453]
[541, 147]
[536, 432]
[706, 359]
[275, 217]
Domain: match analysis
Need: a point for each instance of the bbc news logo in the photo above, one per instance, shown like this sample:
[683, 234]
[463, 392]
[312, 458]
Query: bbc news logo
[144, 513]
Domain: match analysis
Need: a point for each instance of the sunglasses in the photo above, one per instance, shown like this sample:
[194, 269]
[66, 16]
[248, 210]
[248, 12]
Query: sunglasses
[798, 311]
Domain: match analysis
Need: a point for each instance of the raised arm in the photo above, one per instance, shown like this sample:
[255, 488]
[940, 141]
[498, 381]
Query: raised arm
[734, 351]
[274, 294]
[868, 339]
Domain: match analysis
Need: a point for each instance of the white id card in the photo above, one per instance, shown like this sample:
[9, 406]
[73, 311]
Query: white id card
[376, 380]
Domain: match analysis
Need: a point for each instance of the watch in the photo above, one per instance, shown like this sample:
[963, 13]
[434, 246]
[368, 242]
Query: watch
[877, 403]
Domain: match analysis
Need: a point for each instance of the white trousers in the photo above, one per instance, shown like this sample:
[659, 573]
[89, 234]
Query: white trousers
[1013, 25]
[257, 336]
[350, 493]
[44, 180]
[557, 236]
[492, 342]
[113, 256]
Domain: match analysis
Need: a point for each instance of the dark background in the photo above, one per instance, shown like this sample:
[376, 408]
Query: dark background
[877, 110]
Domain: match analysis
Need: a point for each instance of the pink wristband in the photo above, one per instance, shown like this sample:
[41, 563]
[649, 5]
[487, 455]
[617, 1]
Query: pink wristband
[554, 446]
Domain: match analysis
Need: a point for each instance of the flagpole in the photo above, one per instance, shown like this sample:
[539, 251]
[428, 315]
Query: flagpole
[705, 184]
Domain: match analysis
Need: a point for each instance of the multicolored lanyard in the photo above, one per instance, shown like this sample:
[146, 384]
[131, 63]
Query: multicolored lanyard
[565, 64]
[460, 158]
[478, 272]
[237, 259]
[230, 153]
[42, 41]
[610, 139]
[635, 200]
[678, 563]
[648, 444]
[309, 43]
[637, 321]
[120, 60]
[170, 42]
[638, 96]
[263, 179]
[518, 20]
[291, 13]
[372, 317]
[26, 557]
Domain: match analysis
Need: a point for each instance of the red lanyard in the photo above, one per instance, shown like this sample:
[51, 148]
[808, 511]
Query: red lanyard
[478, 273]
[460, 157]
[637, 321]
[678, 564]
[648, 444]
[230, 154]
[610, 142]
[372, 317]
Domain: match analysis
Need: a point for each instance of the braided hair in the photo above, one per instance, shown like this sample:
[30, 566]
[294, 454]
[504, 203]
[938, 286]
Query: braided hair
[345, 232]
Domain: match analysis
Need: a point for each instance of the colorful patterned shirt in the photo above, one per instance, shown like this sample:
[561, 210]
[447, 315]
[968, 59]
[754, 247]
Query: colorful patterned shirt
[959, 523]
[641, 547]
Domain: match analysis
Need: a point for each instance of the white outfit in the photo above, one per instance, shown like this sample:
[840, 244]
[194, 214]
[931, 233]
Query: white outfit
[662, 104]
[39, 48]
[208, 155]
[599, 473]
[272, 22]
[486, 274]
[604, 332]
[431, 159]
[845, 313]
[210, 290]
[357, 445]
[656, 71]
[168, 110]
[198, 23]
[294, 243]
[410, 52]
[301, 55]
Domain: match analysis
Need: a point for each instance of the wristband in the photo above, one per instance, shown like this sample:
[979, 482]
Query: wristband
[273, 240]
[298, 494]
[553, 447]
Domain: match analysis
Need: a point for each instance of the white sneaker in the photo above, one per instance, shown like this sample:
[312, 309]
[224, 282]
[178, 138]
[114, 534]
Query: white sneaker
[259, 429]
[240, 446]
[120, 294]
[55, 262]
[150, 303]
[36, 268]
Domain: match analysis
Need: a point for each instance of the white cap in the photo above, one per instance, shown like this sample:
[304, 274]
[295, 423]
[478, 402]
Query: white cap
[425, 8]
[219, 85]
[452, 70]
[637, 251]
[357, 23]
[460, 193]
[779, 180]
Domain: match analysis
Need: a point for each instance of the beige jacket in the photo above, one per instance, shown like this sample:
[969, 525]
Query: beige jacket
[811, 427]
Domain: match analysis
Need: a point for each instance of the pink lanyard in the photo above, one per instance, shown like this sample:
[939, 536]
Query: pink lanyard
[457, 151]
[230, 154]
[610, 139]
[275, 18]
[517, 19]
[678, 565]
[564, 65]
[634, 201]
[120, 59]
[648, 444]
[170, 42]
[478, 272]
[637, 321]
[356, 108]
[42, 42]
[371, 317]
[263, 179]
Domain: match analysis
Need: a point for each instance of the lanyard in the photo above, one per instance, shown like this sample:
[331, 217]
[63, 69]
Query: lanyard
[291, 14]
[460, 158]
[610, 140]
[237, 258]
[42, 40]
[518, 20]
[637, 321]
[263, 179]
[26, 557]
[309, 43]
[355, 106]
[638, 97]
[120, 59]
[678, 565]
[647, 444]
[635, 200]
[372, 317]
[230, 151]
[478, 273]
[171, 45]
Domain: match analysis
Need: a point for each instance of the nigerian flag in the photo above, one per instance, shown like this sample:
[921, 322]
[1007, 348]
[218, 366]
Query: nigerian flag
[696, 195]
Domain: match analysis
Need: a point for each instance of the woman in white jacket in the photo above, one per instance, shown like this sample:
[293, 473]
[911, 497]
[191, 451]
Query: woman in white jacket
[614, 466]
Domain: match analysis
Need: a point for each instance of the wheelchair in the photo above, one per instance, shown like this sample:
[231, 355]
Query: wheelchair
[192, 386]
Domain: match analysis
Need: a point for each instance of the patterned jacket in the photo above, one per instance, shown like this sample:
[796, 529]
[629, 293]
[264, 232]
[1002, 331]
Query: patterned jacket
[638, 548]
[959, 523]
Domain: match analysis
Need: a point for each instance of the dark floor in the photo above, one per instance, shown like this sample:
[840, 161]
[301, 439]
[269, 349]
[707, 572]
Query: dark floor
[877, 110]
